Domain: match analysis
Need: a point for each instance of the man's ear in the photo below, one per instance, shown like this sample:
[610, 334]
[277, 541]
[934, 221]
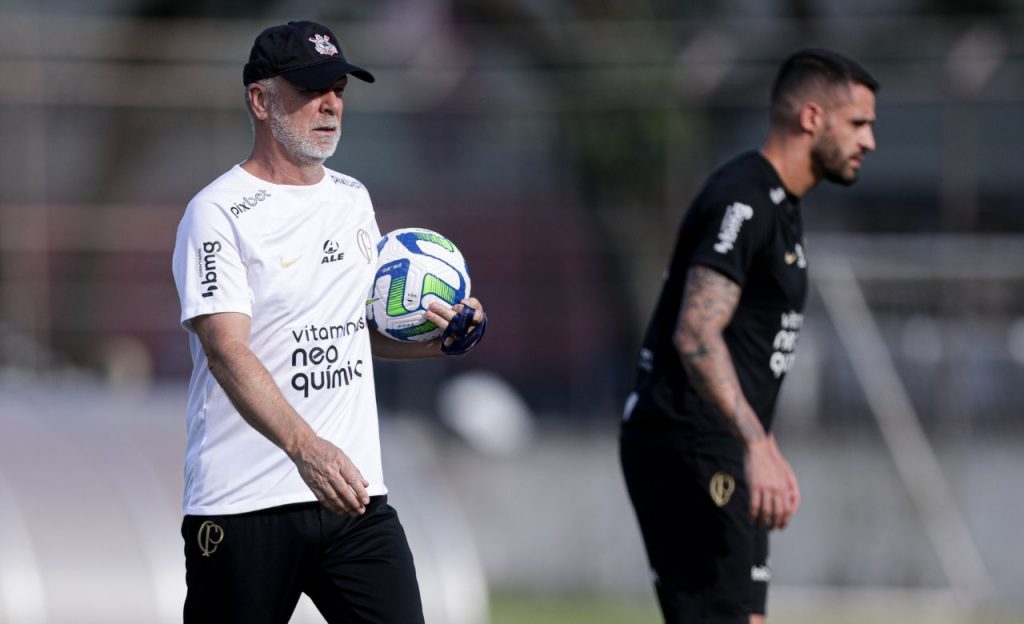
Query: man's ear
[812, 117]
[258, 101]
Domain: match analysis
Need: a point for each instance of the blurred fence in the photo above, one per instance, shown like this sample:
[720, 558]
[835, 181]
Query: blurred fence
[558, 151]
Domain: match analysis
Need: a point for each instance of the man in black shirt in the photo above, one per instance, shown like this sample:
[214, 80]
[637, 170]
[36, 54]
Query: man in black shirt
[703, 470]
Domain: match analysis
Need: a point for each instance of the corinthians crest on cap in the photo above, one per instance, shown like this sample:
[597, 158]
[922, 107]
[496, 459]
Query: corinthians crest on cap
[304, 53]
[323, 45]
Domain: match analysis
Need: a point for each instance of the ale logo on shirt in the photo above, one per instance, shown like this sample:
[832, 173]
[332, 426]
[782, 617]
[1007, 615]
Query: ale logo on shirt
[722, 486]
[331, 253]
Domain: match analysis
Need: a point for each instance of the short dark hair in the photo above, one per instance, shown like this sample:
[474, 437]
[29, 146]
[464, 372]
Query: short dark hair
[814, 69]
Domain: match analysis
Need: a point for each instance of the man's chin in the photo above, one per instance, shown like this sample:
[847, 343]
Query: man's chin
[842, 178]
[318, 156]
[327, 150]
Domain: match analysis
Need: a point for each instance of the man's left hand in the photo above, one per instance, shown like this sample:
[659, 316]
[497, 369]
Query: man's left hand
[463, 339]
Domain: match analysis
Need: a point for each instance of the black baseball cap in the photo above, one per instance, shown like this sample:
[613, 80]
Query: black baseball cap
[303, 53]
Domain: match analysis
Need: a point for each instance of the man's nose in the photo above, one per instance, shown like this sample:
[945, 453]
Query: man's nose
[331, 102]
[868, 141]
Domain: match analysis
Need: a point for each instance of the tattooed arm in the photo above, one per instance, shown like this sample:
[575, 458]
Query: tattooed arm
[709, 301]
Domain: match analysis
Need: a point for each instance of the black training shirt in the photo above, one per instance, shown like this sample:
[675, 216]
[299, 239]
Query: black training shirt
[746, 226]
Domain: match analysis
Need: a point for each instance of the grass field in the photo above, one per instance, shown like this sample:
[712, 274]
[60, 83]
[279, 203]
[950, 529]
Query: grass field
[571, 610]
[520, 609]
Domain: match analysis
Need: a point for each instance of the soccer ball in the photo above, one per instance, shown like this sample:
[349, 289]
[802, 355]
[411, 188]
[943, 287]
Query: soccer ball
[415, 267]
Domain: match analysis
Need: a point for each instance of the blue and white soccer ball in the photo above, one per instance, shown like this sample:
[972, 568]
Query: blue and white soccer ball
[415, 267]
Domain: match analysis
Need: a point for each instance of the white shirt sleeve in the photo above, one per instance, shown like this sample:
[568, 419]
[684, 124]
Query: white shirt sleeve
[209, 265]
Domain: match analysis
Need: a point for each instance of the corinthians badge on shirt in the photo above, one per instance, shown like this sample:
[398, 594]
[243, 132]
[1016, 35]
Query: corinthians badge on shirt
[365, 244]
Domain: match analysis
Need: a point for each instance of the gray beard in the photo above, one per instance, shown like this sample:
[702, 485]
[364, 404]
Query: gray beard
[299, 145]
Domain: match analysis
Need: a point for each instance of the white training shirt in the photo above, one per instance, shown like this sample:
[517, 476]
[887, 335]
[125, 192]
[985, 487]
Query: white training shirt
[299, 261]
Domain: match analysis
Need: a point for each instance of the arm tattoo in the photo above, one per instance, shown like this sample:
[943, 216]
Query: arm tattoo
[709, 301]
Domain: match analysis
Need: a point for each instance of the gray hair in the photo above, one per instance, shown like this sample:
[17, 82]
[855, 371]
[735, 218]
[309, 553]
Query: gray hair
[268, 85]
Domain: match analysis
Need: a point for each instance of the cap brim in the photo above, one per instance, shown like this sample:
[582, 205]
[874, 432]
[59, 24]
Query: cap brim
[323, 75]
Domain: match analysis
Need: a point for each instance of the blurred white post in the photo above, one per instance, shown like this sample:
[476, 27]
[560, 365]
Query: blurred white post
[22, 598]
[915, 460]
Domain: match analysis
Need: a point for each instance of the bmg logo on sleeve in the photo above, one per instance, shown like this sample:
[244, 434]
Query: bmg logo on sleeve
[735, 214]
[207, 254]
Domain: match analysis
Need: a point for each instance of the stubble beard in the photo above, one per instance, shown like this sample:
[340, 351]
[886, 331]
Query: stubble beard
[830, 162]
[298, 142]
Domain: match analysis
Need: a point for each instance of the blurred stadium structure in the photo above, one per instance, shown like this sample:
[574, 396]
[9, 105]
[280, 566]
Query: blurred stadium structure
[558, 144]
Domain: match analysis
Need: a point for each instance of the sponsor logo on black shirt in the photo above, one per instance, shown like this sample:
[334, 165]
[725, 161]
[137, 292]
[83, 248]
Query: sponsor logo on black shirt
[784, 344]
[733, 220]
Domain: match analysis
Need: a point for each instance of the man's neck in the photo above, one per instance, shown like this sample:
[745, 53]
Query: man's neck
[278, 169]
[791, 159]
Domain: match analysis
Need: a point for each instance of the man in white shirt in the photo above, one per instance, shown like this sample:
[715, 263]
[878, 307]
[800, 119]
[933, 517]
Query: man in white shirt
[284, 491]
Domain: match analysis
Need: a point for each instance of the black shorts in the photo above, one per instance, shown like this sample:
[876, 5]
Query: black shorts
[251, 568]
[708, 559]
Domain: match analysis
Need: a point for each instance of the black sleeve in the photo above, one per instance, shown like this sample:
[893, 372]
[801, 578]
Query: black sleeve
[733, 236]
